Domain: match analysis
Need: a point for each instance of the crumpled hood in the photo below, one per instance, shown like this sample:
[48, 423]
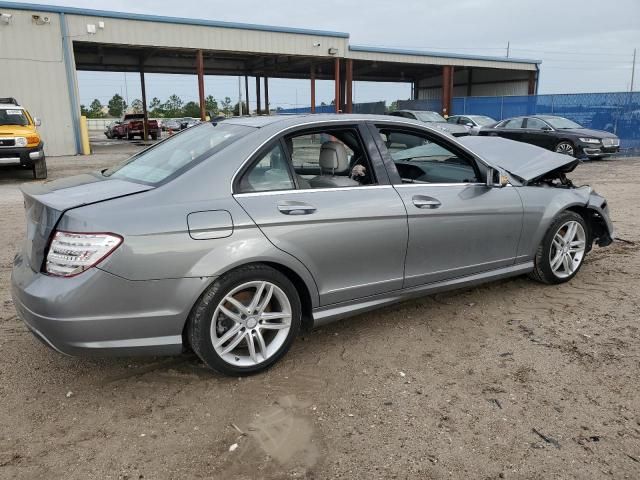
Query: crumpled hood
[520, 159]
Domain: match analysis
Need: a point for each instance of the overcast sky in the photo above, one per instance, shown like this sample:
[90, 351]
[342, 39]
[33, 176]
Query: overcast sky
[585, 45]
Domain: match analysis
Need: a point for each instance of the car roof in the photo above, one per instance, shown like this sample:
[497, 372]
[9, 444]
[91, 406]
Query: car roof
[416, 111]
[285, 121]
[11, 106]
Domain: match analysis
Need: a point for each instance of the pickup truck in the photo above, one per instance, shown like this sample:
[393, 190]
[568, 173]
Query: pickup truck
[131, 126]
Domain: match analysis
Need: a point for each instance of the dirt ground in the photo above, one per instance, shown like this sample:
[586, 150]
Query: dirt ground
[510, 380]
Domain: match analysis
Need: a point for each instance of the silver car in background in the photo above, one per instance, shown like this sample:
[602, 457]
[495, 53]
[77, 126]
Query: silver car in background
[230, 238]
[473, 123]
[432, 119]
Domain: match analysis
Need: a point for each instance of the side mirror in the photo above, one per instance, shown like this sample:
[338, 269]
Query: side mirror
[496, 178]
[37, 122]
[546, 129]
[469, 124]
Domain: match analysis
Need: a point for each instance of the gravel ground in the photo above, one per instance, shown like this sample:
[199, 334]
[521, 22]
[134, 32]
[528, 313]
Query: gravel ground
[510, 380]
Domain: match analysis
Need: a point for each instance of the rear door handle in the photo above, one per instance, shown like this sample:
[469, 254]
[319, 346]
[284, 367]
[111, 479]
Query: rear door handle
[421, 201]
[296, 208]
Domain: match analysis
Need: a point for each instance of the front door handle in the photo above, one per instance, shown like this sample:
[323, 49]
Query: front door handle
[296, 208]
[421, 201]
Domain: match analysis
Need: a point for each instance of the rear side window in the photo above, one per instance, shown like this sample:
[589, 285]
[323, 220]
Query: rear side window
[513, 123]
[172, 157]
[270, 172]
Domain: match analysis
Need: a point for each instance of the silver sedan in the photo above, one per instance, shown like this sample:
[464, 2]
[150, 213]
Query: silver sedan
[230, 238]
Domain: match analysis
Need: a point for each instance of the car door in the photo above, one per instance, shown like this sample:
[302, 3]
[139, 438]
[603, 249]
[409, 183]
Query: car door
[353, 237]
[538, 132]
[458, 225]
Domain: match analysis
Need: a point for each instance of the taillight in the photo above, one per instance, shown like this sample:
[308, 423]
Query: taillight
[72, 253]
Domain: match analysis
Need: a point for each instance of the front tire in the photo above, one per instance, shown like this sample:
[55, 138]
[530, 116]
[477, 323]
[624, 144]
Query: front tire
[567, 148]
[562, 251]
[40, 169]
[246, 321]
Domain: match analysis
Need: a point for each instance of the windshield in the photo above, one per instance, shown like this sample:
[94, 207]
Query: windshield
[430, 117]
[561, 123]
[178, 153]
[12, 116]
[483, 121]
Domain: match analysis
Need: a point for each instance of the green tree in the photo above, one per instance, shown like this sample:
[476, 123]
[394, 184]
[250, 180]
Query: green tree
[191, 109]
[95, 109]
[393, 107]
[84, 111]
[236, 109]
[136, 106]
[211, 105]
[155, 107]
[116, 106]
[226, 107]
[173, 106]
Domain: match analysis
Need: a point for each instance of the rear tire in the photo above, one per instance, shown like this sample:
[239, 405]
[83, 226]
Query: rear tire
[129, 136]
[256, 292]
[546, 268]
[40, 169]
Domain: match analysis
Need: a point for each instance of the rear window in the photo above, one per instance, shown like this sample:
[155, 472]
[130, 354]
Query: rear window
[172, 157]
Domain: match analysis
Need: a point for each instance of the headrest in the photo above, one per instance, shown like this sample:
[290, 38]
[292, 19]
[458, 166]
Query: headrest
[333, 158]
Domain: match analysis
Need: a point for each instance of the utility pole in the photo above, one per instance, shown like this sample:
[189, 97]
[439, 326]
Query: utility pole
[633, 70]
[508, 48]
[239, 96]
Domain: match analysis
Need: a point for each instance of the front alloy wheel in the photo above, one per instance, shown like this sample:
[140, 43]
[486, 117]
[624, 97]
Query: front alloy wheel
[562, 251]
[246, 320]
[566, 148]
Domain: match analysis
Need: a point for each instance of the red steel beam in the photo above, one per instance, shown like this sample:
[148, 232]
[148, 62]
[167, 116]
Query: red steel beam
[266, 95]
[336, 76]
[258, 99]
[200, 70]
[349, 75]
[447, 89]
[312, 77]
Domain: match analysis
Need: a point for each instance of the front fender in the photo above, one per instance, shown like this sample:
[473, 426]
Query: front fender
[541, 205]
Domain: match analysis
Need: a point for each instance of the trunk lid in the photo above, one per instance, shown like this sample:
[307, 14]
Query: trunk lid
[46, 203]
[523, 160]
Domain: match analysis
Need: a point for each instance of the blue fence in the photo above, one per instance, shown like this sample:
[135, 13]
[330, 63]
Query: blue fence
[618, 113]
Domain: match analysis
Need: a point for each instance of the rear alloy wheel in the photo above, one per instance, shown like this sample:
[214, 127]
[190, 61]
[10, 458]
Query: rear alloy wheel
[40, 169]
[246, 321]
[566, 148]
[563, 249]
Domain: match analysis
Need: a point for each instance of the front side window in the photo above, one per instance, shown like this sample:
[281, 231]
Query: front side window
[562, 123]
[420, 159]
[175, 155]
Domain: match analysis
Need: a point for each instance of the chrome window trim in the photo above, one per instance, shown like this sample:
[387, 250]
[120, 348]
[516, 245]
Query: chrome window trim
[347, 121]
[310, 190]
[427, 184]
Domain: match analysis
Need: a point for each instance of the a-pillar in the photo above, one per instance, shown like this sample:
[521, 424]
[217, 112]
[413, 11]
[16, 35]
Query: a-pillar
[447, 89]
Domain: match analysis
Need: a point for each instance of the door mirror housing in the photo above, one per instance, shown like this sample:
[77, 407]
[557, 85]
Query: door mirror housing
[37, 122]
[546, 128]
[496, 178]
[469, 124]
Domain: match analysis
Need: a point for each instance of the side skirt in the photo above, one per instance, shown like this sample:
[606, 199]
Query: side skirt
[331, 313]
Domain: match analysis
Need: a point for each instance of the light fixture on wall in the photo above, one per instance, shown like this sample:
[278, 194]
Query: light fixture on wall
[40, 19]
[5, 18]
[333, 51]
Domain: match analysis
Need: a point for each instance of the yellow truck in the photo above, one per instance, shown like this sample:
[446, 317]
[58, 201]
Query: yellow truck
[20, 142]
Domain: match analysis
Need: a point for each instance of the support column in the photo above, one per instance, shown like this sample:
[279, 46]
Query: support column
[145, 119]
[312, 76]
[336, 76]
[447, 89]
[246, 93]
[266, 96]
[531, 90]
[349, 75]
[200, 70]
[258, 100]
[470, 82]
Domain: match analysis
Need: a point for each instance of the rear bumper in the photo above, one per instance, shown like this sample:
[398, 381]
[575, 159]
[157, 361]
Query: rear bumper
[100, 313]
[24, 156]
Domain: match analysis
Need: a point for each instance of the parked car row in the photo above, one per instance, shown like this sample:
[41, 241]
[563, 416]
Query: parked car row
[131, 126]
[554, 133]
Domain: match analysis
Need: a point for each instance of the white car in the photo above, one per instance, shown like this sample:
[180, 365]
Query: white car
[473, 123]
